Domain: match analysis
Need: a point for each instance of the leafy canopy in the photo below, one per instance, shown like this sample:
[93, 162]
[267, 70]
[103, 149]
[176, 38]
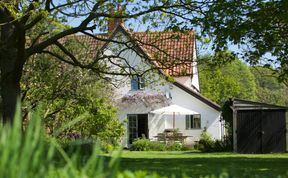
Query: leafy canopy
[231, 79]
[260, 27]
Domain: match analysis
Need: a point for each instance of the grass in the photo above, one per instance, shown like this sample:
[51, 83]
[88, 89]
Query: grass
[195, 164]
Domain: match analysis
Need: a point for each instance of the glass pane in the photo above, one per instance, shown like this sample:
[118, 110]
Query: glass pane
[191, 122]
[195, 121]
[187, 122]
[134, 83]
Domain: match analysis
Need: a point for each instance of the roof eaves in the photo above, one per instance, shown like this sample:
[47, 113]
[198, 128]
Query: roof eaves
[258, 104]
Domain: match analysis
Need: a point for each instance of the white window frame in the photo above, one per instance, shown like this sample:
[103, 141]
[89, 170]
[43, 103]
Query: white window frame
[141, 83]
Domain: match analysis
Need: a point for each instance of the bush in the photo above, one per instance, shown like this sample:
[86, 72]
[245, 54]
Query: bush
[157, 146]
[223, 145]
[147, 145]
[207, 144]
[174, 147]
[187, 147]
[140, 144]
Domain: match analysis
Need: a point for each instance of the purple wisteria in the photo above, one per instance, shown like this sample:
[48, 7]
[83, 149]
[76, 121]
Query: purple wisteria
[147, 98]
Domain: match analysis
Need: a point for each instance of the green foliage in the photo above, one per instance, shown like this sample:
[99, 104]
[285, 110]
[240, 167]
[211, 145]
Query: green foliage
[207, 144]
[231, 79]
[174, 147]
[67, 93]
[260, 26]
[34, 154]
[269, 90]
[147, 145]
[157, 146]
[140, 145]
[188, 147]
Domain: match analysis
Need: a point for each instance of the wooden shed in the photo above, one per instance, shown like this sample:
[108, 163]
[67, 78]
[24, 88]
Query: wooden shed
[259, 127]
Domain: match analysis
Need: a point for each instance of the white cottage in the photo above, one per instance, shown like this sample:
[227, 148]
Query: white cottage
[165, 68]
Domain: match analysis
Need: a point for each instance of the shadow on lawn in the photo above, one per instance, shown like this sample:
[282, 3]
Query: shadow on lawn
[194, 167]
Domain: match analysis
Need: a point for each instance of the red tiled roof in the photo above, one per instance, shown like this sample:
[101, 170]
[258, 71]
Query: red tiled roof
[171, 51]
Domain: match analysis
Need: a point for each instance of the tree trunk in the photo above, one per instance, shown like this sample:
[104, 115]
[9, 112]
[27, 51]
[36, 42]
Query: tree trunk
[12, 59]
[10, 92]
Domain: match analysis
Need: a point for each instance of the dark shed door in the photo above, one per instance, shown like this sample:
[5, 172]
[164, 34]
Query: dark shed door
[261, 131]
[274, 135]
[248, 131]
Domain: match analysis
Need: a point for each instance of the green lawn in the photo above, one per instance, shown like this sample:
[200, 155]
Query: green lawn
[195, 164]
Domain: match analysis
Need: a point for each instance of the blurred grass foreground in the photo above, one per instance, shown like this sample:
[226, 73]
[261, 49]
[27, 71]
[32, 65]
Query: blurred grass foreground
[32, 153]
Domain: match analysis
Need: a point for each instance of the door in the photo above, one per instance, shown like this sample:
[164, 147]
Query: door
[132, 127]
[261, 131]
[137, 126]
[274, 131]
[249, 131]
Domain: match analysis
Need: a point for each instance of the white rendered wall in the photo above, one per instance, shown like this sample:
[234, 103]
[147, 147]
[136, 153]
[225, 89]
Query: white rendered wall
[195, 76]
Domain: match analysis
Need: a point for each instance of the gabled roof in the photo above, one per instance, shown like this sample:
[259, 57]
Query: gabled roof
[170, 51]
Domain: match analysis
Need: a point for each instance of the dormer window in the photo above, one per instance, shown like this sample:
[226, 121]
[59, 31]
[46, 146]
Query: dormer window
[137, 83]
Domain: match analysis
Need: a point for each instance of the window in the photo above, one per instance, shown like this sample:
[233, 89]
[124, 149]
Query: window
[137, 83]
[193, 121]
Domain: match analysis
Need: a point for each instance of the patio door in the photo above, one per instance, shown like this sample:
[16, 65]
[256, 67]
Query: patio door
[137, 126]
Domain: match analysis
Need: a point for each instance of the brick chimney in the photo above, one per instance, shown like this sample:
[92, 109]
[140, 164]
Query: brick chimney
[114, 22]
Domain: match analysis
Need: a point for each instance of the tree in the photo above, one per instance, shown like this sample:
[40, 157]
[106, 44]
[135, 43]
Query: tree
[230, 79]
[258, 26]
[269, 90]
[30, 27]
[66, 93]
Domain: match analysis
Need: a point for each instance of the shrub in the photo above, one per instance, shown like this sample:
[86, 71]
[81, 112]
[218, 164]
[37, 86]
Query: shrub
[187, 147]
[140, 144]
[223, 145]
[207, 144]
[107, 147]
[143, 144]
[157, 146]
[174, 147]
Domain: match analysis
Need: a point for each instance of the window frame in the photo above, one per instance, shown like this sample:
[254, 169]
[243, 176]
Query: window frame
[190, 122]
[139, 81]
